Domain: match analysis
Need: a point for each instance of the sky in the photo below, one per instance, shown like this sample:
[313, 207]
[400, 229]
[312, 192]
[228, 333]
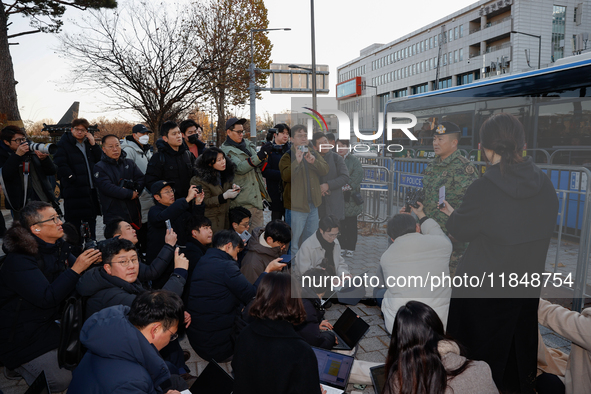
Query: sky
[343, 28]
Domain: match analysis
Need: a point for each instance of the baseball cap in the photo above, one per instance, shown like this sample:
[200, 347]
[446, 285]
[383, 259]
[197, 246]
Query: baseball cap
[446, 128]
[232, 121]
[157, 186]
[140, 128]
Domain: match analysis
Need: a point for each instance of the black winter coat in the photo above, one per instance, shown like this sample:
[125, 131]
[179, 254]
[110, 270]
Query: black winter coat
[218, 292]
[273, 176]
[12, 172]
[171, 166]
[34, 282]
[80, 200]
[508, 220]
[271, 358]
[105, 290]
[310, 329]
[115, 199]
[193, 252]
[177, 213]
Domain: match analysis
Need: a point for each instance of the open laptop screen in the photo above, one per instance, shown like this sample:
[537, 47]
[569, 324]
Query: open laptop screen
[350, 328]
[213, 380]
[333, 368]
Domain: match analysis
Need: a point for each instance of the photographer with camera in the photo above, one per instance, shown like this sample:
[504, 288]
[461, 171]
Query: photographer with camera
[119, 182]
[24, 171]
[280, 137]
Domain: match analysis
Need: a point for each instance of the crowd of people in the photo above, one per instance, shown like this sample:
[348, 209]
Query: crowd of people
[187, 252]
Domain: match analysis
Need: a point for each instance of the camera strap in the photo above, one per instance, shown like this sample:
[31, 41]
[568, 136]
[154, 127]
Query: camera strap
[26, 168]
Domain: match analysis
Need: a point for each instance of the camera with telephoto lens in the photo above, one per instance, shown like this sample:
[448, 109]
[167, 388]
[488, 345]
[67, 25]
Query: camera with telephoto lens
[129, 184]
[47, 148]
[413, 197]
[270, 134]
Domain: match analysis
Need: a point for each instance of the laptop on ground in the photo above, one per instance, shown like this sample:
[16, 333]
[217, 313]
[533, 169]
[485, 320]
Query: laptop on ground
[378, 378]
[334, 370]
[349, 329]
[213, 380]
[40, 385]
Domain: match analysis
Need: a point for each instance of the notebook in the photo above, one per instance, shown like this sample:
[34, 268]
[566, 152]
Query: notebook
[213, 380]
[334, 370]
[349, 329]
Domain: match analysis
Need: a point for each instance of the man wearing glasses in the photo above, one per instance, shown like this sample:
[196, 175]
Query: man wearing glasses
[75, 159]
[249, 165]
[19, 162]
[36, 278]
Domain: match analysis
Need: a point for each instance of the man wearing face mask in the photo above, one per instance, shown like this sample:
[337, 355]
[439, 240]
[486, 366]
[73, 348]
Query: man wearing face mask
[192, 133]
[137, 148]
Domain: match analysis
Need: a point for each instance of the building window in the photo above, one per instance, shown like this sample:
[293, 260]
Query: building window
[456, 33]
[449, 58]
[450, 37]
[445, 83]
[444, 59]
[465, 78]
[461, 52]
[430, 42]
[431, 64]
[461, 31]
[455, 56]
[558, 27]
[435, 41]
[420, 89]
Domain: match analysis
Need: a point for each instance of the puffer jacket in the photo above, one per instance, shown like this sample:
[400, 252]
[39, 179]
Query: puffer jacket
[172, 166]
[140, 155]
[214, 184]
[115, 199]
[119, 358]
[259, 255]
[34, 282]
[248, 176]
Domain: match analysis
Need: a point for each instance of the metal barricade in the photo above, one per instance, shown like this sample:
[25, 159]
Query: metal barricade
[570, 151]
[376, 190]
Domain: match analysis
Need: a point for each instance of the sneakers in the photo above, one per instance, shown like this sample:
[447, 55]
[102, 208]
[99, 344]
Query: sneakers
[343, 251]
[12, 374]
[350, 253]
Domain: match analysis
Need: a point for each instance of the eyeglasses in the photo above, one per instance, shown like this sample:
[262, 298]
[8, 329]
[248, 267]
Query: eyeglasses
[174, 335]
[56, 219]
[127, 262]
[80, 129]
[171, 191]
[238, 131]
[329, 235]
[247, 224]
[19, 140]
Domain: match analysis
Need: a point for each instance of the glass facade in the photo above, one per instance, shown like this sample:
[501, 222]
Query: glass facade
[558, 27]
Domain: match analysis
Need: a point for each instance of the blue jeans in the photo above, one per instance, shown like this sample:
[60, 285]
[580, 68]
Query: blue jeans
[303, 224]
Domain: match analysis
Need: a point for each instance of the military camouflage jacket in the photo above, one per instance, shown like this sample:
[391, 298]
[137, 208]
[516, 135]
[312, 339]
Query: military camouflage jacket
[456, 173]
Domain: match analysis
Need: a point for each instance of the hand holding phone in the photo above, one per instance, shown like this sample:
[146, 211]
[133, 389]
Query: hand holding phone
[168, 225]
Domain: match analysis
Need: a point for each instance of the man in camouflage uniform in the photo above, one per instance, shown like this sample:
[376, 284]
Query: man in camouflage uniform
[456, 173]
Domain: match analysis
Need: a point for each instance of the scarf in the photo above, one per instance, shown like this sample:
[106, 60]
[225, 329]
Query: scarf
[241, 145]
[328, 260]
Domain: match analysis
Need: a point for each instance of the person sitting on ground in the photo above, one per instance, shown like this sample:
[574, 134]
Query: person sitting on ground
[413, 253]
[240, 221]
[265, 245]
[576, 327]
[270, 357]
[197, 244]
[315, 329]
[119, 281]
[423, 360]
[123, 344]
[218, 292]
[119, 228]
[167, 208]
[322, 250]
[37, 276]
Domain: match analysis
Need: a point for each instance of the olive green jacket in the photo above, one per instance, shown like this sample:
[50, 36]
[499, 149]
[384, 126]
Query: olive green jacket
[295, 180]
[355, 178]
[248, 176]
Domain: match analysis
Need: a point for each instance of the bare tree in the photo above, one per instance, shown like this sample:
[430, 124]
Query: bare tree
[142, 57]
[45, 17]
[224, 27]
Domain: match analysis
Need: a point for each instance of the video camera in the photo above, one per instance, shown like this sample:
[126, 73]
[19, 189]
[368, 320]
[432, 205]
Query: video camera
[270, 133]
[48, 148]
[413, 197]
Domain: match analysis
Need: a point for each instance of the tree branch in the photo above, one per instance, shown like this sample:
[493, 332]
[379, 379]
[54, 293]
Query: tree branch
[24, 33]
